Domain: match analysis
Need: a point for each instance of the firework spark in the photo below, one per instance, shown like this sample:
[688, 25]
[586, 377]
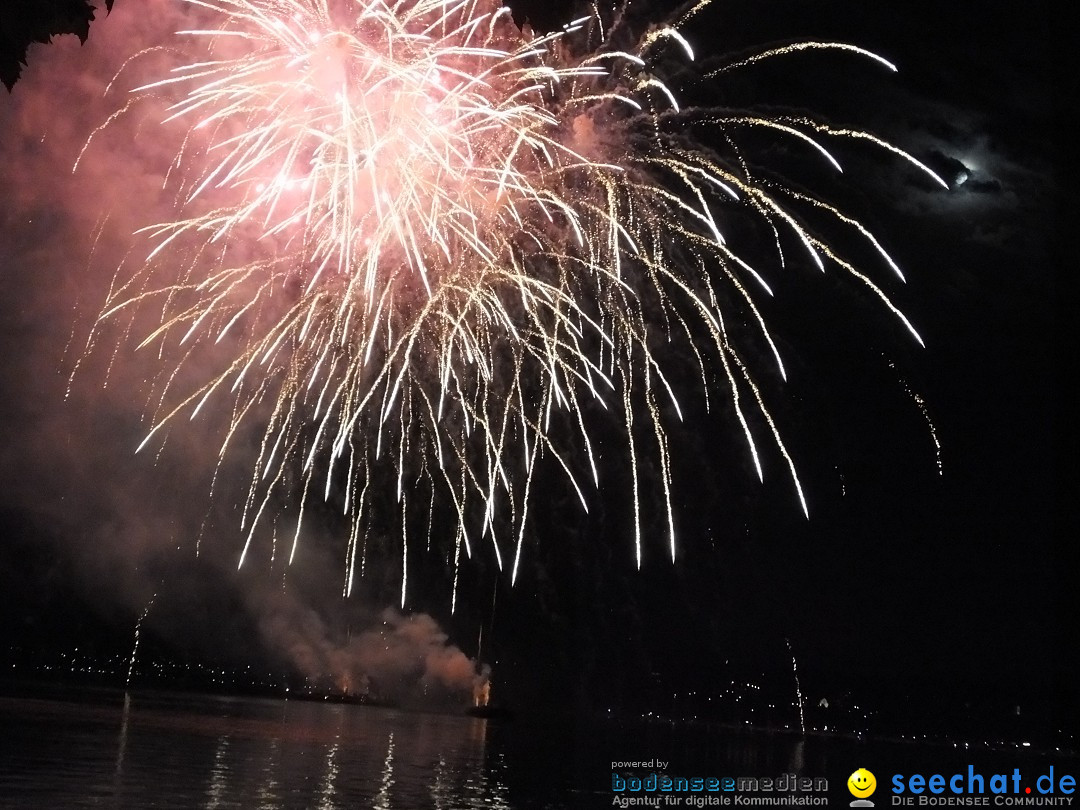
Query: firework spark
[430, 241]
[135, 645]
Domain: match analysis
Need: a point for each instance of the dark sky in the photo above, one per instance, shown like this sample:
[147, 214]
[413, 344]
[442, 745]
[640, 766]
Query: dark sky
[904, 577]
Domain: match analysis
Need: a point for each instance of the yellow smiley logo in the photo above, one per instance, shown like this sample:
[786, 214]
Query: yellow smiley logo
[861, 783]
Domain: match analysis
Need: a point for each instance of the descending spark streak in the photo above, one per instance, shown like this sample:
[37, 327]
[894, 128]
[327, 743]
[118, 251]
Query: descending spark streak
[135, 645]
[426, 239]
[931, 428]
[798, 687]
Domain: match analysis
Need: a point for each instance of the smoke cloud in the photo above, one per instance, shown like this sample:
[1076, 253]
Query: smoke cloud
[396, 658]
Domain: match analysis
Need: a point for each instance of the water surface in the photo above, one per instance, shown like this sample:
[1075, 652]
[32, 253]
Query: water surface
[177, 750]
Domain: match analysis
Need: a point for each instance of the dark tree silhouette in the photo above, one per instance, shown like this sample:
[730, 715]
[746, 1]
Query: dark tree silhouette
[26, 21]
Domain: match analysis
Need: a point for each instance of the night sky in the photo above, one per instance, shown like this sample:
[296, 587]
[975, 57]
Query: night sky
[949, 585]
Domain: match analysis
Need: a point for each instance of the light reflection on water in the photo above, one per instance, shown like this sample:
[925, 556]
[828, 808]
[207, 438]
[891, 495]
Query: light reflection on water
[185, 751]
[170, 750]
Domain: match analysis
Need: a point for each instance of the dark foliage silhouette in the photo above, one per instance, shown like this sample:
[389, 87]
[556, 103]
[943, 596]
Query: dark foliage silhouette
[25, 21]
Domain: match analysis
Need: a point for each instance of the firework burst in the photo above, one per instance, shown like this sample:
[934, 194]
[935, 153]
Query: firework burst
[430, 240]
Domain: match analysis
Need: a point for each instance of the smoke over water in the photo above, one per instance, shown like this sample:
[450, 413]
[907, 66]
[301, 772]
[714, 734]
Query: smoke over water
[397, 658]
[165, 520]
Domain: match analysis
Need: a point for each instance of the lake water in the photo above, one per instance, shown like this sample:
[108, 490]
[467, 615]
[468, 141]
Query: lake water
[173, 750]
